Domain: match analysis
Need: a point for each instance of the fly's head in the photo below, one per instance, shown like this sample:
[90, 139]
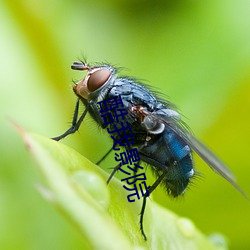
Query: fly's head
[96, 79]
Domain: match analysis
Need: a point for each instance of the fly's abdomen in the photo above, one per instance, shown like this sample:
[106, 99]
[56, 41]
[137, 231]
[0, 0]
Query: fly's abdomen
[180, 168]
[168, 153]
[178, 176]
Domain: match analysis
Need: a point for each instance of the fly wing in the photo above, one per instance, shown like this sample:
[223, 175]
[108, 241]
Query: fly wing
[208, 156]
[175, 124]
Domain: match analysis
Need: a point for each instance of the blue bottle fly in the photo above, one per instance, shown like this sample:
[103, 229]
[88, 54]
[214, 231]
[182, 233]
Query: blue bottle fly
[162, 139]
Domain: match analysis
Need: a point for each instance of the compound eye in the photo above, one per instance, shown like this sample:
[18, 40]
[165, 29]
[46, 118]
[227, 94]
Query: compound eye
[97, 79]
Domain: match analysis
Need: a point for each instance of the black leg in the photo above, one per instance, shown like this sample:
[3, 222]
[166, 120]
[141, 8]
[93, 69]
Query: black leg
[151, 189]
[75, 124]
[113, 172]
[104, 156]
[115, 169]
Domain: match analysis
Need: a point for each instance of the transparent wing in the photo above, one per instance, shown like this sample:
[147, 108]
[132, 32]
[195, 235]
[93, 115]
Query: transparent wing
[208, 156]
[175, 124]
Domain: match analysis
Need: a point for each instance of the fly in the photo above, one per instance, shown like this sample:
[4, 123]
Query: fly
[162, 138]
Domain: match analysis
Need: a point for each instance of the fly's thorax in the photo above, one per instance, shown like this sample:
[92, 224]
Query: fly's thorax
[94, 85]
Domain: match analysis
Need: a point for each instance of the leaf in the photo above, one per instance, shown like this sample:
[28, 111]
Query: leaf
[102, 213]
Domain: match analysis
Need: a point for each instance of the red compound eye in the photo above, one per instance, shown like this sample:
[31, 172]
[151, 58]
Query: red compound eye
[97, 79]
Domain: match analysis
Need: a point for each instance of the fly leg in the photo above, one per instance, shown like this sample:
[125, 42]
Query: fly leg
[104, 157]
[75, 123]
[113, 172]
[116, 168]
[151, 189]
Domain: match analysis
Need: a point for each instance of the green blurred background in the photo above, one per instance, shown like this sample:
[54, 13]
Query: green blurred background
[196, 52]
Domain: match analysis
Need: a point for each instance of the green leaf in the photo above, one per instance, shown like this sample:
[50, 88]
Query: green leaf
[102, 213]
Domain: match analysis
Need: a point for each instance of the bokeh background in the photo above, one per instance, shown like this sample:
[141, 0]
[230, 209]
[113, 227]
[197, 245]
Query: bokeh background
[195, 52]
